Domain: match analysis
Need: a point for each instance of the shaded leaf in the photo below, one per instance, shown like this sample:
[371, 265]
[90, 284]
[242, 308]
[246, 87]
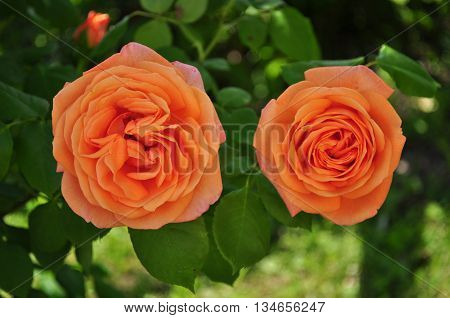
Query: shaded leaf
[71, 280]
[60, 13]
[154, 34]
[84, 255]
[12, 72]
[233, 97]
[189, 12]
[242, 227]
[293, 34]
[409, 76]
[106, 290]
[102, 287]
[216, 267]
[36, 293]
[252, 31]
[240, 126]
[77, 230]
[174, 253]
[11, 196]
[15, 105]
[46, 81]
[53, 260]
[16, 269]
[276, 207]
[217, 64]
[16, 235]
[173, 53]
[237, 165]
[6, 149]
[46, 231]
[156, 6]
[35, 158]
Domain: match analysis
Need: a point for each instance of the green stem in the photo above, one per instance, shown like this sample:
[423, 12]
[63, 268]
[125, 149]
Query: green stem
[221, 30]
[372, 63]
[194, 40]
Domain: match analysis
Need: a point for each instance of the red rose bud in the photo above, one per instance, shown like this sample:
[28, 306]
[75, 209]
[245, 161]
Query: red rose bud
[95, 26]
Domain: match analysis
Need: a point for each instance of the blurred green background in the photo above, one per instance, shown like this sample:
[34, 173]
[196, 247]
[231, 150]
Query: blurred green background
[402, 252]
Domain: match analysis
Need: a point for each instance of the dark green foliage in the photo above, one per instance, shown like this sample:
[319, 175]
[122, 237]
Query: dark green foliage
[16, 270]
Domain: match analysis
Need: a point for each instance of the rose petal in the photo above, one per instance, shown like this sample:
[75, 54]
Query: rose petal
[191, 74]
[360, 78]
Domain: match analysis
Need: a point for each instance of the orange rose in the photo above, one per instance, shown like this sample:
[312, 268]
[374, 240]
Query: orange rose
[331, 143]
[137, 139]
[96, 25]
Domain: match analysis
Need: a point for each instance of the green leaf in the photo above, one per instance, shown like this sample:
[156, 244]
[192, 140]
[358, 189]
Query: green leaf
[173, 53]
[15, 105]
[53, 260]
[46, 81]
[217, 64]
[233, 97]
[232, 168]
[71, 280]
[156, 6]
[154, 34]
[36, 293]
[252, 31]
[16, 235]
[104, 289]
[293, 34]
[78, 231]
[240, 126]
[242, 227]
[276, 207]
[174, 253]
[46, 231]
[111, 40]
[193, 35]
[13, 72]
[409, 76]
[188, 12]
[83, 254]
[6, 149]
[11, 196]
[294, 72]
[238, 164]
[35, 158]
[63, 13]
[60, 13]
[102, 286]
[16, 270]
[216, 267]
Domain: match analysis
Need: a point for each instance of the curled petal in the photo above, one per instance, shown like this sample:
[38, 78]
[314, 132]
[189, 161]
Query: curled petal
[191, 74]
